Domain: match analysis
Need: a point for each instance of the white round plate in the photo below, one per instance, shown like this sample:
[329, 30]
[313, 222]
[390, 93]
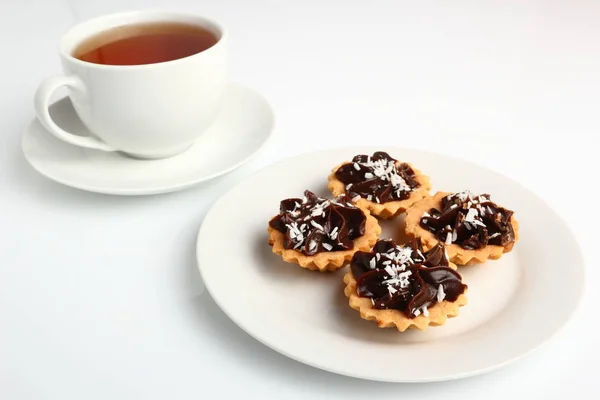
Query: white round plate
[241, 130]
[515, 303]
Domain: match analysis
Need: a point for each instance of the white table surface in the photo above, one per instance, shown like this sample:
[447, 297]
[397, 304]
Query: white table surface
[100, 297]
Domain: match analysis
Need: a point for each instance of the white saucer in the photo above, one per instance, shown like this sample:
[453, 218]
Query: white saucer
[242, 129]
[515, 304]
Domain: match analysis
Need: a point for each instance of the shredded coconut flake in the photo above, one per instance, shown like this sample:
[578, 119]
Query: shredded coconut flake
[295, 232]
[425, 311]
[448, 238]
[327, 246]
[441, 295]
[390, 271]
[403, 255]
[477, 222]
[464, 195]
[334, 233]
[396, 277]
[316, 225]
[356, 167]
[471, 214]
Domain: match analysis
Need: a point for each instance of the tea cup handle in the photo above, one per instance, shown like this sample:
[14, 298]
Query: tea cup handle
[42, 102]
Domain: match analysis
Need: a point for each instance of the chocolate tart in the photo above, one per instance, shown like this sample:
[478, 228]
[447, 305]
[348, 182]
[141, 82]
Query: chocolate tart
[404, 286]
[379, 183]
[321, 234]
[472, 227]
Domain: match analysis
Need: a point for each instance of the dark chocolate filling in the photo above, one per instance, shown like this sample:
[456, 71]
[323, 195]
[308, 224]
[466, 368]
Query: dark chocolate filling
[377, 178]
[404, 277]
[314, 224]
[470, 221]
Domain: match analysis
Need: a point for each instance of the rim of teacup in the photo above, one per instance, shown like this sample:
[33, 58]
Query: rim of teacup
[86, 29]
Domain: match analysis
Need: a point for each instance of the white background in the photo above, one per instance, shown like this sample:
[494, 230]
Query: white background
[100, 297]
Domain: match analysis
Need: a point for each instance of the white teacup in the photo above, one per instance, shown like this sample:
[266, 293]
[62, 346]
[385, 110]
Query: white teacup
[147, 111]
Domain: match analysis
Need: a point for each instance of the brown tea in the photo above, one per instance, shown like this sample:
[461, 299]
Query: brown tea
[148, 43]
